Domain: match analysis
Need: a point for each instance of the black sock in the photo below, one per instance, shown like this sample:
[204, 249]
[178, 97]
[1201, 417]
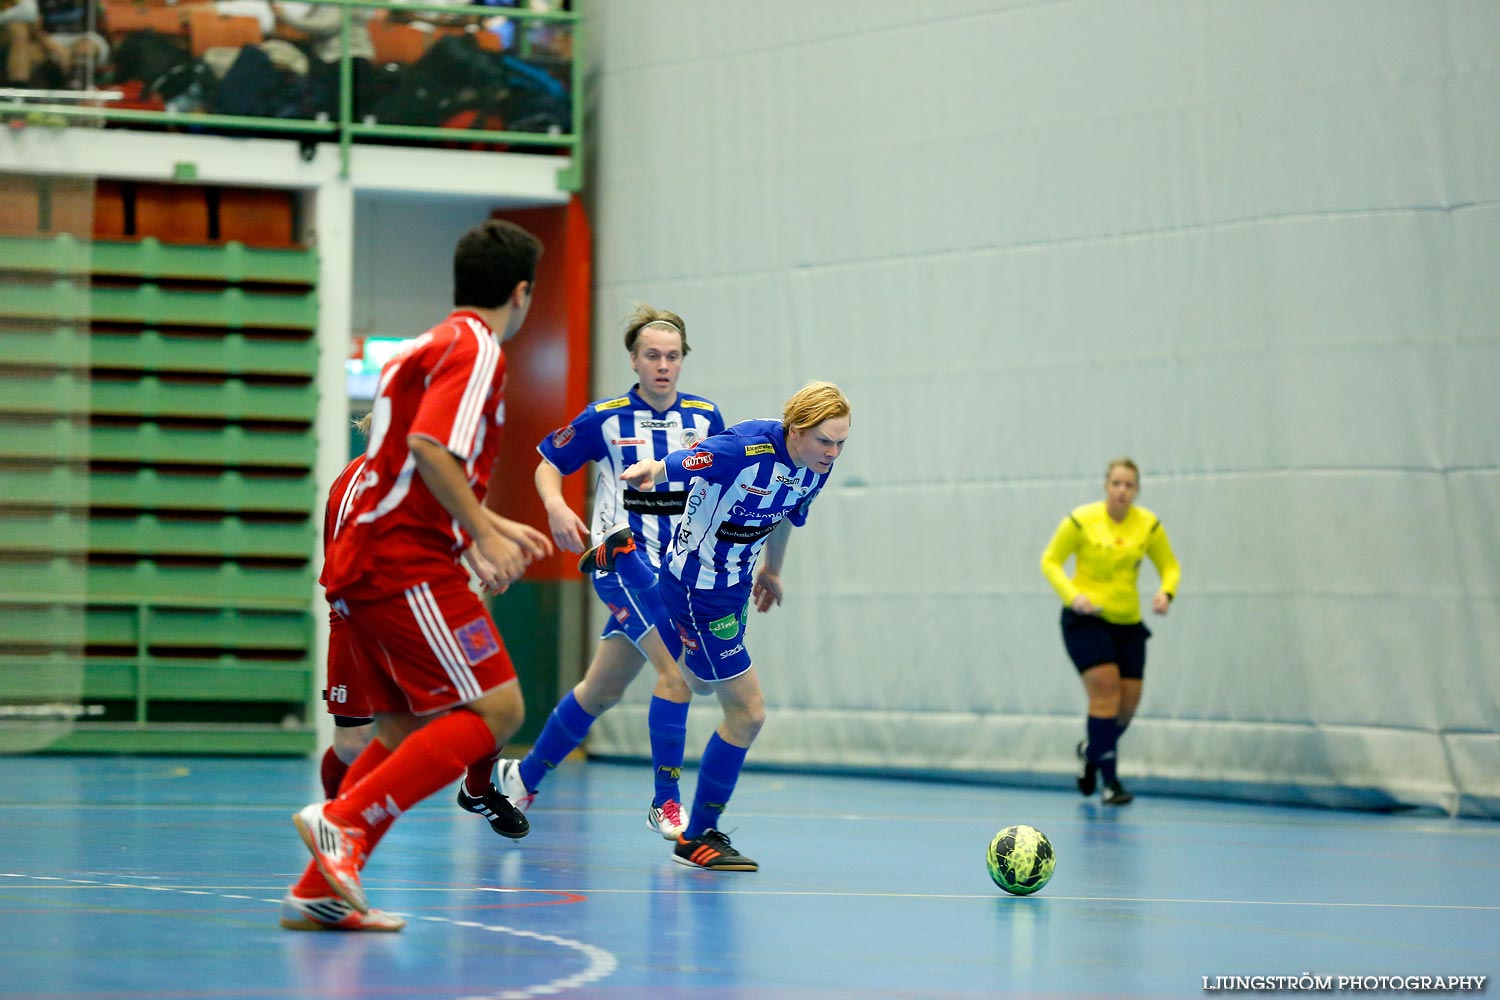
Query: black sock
[1101, 749]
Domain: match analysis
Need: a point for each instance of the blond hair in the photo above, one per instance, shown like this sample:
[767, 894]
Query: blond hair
[650, 316]
[1122, 463]
[363, 423]
[812, 404]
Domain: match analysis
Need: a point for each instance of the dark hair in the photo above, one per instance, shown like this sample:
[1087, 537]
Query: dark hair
[490, 261]
[650, 316]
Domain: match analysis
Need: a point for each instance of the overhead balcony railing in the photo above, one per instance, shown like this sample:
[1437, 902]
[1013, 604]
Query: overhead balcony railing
[346, 71]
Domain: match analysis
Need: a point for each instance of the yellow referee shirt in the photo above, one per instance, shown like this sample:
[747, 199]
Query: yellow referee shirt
[1108, 559]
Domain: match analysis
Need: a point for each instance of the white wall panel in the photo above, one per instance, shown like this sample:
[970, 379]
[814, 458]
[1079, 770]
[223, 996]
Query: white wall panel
[1252, 244]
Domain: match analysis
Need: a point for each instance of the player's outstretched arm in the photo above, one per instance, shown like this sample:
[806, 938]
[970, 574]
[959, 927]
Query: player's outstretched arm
[646, 474]
[568, 529]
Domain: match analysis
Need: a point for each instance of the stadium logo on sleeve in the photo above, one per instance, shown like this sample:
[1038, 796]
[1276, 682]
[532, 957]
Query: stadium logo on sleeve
[562, 436]
[477, 640]
[697, 460]
[760, 449]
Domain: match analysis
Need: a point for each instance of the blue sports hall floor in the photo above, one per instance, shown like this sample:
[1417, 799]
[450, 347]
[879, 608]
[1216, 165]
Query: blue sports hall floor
[136, 878]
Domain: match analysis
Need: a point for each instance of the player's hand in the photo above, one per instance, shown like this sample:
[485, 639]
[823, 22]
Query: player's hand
[1084, 606]
[766, 591]
[642, 475]
[532, 542]
[498, 560]
[568, 529]
[485, 590]
[1161, 602]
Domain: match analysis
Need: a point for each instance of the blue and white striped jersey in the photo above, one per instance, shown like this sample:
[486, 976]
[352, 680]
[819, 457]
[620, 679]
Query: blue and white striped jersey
[744, 485]
[618, 432]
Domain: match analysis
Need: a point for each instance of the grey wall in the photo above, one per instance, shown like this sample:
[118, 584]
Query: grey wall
[1251, 244]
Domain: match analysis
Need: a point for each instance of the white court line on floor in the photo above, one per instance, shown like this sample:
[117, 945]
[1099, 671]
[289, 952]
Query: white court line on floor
[599, 962]
[827, 893]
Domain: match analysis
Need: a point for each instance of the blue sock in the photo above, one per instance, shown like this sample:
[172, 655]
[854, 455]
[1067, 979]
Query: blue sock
[565, 729]
[667, 721]
[1101, 748]
[717, 774]
[635, 570]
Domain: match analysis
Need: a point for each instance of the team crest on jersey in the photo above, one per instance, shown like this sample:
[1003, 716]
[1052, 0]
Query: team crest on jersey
[690, 438]
[613, 404]
[562, 436]
[478, 640]
[697, 460]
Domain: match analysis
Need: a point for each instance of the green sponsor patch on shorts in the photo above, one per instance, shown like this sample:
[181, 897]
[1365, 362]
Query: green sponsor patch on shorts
[725, 628]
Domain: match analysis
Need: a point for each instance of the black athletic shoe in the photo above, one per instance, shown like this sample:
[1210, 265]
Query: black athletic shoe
[712, 851]
[1116, 795]
[1088, 771]
[601, 558]
[505, 819]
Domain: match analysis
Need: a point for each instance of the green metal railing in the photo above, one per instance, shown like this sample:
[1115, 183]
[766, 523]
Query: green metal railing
[344, 128]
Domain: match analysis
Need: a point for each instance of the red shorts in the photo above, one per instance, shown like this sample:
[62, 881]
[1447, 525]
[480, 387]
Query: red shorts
[432, 648]
[347, 693]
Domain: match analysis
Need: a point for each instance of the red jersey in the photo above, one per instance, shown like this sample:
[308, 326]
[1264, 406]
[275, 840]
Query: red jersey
[340, 496]
[447, 386]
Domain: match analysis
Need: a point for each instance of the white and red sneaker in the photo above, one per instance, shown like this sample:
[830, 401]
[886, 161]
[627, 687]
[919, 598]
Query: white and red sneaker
[337, 851]
[330, 913]
[667, 819]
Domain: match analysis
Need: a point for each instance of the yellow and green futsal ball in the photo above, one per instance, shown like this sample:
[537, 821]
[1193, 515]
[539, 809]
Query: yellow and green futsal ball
[1021, 859]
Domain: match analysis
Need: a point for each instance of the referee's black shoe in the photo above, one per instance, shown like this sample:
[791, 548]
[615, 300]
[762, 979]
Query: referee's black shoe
[1116, 795]
[1088, 771]
[601, 558]
[505, 819]
[711, 850]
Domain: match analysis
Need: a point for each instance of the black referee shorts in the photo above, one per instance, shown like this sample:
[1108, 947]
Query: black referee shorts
[1090, 641]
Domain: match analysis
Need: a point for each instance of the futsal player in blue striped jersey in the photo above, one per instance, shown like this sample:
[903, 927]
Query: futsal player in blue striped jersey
[749, 487]
[649, 421]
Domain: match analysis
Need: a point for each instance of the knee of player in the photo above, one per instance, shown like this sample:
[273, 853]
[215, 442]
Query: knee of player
[598, 697]
[749, 720]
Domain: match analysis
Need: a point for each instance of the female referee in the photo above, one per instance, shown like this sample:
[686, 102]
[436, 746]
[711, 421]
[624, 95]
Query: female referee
[1101, 616]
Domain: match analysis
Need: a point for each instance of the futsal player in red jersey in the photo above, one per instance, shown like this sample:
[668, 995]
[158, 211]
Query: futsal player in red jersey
[353, 721]
[439, 681]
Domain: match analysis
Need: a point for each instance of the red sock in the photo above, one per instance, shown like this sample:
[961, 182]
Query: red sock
[332, 772]
[480, 776]
[368, 760]
[313, 884]
[423, 763]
